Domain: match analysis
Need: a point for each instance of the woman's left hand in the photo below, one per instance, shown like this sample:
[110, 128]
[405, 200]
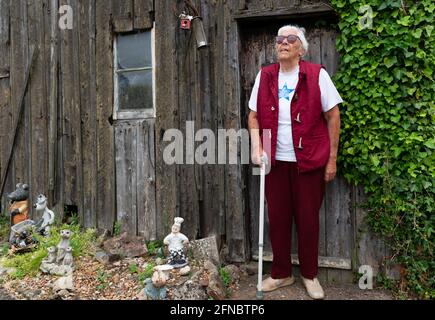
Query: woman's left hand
[330, 170]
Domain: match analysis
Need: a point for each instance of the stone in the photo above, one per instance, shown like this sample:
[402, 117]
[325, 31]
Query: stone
[250, 268]
[33, 294]
[4, 271]
[184, 271]
[204, 282]
[205, 249]
[64, 283]
[141, 296]
[55, 269]
[160, 261]
[164, 267]
[234, 273]
[102, 257]
[216, 288]
[190, 290]
[210, 266]
[125, 246]
[224, 254]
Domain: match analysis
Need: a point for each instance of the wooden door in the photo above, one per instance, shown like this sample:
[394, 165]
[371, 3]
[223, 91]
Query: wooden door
[336, 215]
[135, 177]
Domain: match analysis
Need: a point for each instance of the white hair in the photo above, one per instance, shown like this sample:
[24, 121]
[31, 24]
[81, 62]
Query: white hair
[300, 31]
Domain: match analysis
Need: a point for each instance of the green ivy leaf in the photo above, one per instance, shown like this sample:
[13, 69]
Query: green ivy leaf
[417, 33]
[390, 61]
[405, 21]
[430, 143]
[375, 160]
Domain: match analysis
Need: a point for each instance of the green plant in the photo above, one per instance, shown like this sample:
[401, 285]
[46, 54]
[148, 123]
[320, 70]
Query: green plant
[133, 268]
[4, 249]
[148, 272]
[154, 246]
[141, 277]
[4, 227]
[388, 134]
[117, 228]
[102, 280]
[82, 243]
[74, 219]
[226, 280]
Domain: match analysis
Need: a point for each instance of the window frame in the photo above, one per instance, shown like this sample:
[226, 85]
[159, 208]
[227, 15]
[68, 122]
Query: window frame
[132, 114]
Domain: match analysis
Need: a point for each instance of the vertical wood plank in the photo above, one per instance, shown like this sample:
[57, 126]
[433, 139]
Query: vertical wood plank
[338, 227]
[38, 102]
[146, 191]
[143, 14]
[88, 110]
[72, 147]
[235, 206]
[125, 147]
[19, 61]
[122, 15]
[339, 224]
[219, 104]
[105, 136]
[5, 94]
[314, 55]
[314, 50]
[189, 69]
[371, 250]
[52, 85]
[166, 110]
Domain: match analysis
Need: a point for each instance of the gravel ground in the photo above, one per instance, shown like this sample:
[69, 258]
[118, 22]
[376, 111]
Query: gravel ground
[247, 291]
[4, 295]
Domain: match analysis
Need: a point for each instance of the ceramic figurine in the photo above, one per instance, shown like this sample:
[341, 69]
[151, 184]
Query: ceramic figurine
[60, 259]
[51, 258]
[152, 292]
[19, 208]
[63, 245]
[176, 242]
[68, 259]
[47, 215]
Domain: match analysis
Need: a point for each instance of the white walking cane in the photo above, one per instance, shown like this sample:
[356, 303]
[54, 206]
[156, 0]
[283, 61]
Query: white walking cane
[261, 229]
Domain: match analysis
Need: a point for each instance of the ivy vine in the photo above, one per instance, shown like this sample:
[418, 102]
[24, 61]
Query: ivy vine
[388, 126]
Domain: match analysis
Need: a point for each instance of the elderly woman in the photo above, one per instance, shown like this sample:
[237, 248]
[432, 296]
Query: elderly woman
[297, 101]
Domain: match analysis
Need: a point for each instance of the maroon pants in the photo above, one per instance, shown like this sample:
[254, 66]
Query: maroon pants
[291, 194]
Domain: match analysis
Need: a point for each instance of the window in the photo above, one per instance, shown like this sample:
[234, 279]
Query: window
[134, 75]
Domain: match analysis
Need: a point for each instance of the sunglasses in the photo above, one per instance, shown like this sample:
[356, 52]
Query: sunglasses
[290, 39]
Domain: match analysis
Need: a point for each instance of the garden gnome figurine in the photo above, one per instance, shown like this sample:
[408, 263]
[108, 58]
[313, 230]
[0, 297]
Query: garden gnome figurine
[176, 241]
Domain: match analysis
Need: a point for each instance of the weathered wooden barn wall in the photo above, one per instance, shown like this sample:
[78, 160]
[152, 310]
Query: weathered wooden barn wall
[66, 142]
[200, 86]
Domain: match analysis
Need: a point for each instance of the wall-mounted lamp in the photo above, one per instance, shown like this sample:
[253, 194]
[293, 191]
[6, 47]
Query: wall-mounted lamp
[198, 30]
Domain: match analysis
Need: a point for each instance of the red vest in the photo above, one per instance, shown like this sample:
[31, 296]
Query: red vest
[309, 127]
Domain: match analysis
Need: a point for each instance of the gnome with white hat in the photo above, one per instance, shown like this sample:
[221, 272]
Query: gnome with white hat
[176, 242]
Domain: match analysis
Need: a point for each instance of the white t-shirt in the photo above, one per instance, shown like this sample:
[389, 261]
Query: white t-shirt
[287, 82]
